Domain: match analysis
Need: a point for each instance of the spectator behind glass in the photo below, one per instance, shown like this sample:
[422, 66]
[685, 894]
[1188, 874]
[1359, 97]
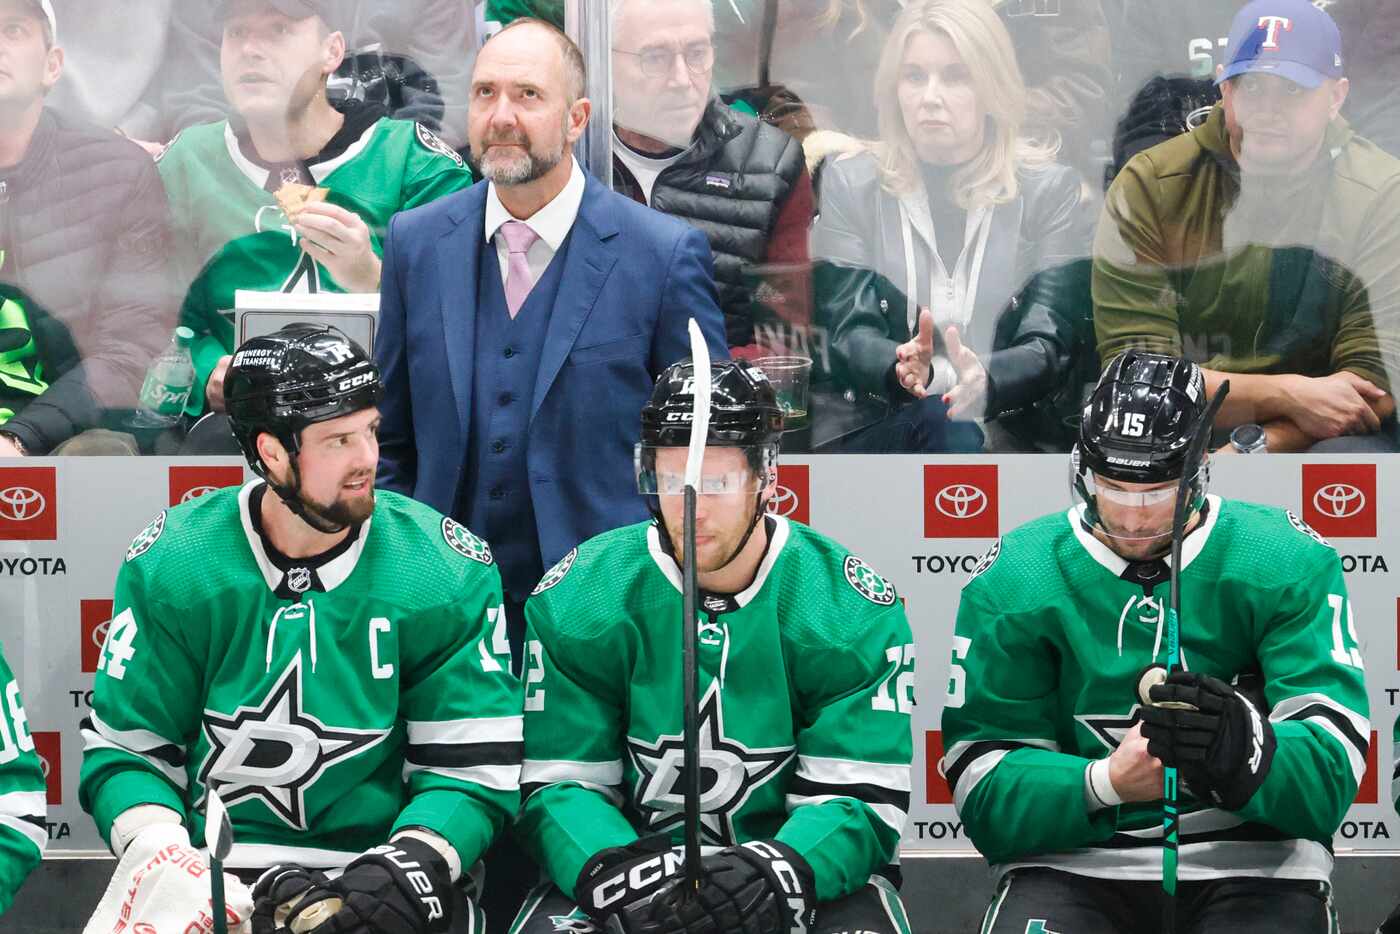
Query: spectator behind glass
[1265, 244]
[743, 183]
[940, 251]
[84, 302]
[222, 178]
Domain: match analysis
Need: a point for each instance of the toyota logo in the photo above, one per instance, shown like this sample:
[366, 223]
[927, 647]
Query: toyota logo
[784, 502]
[44, 766]
[1339, 500]
[99, 633]
[20, 503]
[960, 501]
[197, 492]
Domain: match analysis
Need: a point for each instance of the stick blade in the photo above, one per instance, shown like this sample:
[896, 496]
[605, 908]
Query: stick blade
[218, 829]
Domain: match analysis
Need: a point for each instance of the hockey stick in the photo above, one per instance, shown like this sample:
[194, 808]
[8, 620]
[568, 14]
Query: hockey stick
[1171, 817]
[218, 837]
[690, 635]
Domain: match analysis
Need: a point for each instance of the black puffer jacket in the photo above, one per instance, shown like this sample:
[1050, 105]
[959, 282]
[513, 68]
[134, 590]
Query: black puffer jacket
[1025, 323]
[731, 185]
[85, 232]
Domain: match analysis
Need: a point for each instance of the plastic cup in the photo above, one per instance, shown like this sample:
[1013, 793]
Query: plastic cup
[791, 377]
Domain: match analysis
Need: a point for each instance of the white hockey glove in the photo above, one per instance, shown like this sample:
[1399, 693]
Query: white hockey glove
[161, 885]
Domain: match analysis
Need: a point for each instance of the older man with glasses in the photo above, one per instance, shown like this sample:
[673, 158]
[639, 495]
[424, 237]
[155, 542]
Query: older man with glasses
[681, 150]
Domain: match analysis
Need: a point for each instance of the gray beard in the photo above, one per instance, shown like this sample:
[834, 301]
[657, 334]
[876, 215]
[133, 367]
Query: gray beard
[519, 171]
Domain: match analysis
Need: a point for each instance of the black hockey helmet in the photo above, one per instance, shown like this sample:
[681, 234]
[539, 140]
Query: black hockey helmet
[1141, 417]
[744, 410]
[302, 374]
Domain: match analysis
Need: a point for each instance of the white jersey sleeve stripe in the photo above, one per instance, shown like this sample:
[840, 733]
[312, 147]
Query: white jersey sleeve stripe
[472, 730]
[888, 813]
[495, 777]
[549, 771]
[829, 771]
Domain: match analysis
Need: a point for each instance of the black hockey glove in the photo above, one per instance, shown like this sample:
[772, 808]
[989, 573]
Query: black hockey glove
[1223, 747]
[1391, 925]
[402, 887]
[617, 883]
[762, 887]
[282, 893]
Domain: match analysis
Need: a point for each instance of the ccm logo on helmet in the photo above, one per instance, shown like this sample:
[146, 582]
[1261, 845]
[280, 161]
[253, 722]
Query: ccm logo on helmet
[639, 876]
[354, 381]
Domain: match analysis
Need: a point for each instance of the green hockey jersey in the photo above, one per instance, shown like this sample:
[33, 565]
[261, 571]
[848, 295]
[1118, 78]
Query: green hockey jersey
[1054, 630]
[374, 695]
[22, 796]
[231, 234]
[806, 683]
[1395, 769]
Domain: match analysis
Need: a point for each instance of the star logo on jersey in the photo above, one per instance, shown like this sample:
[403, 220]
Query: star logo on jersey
[730, 772]
[555, 574]
[867, 583]
[1109, 729]
[146, 538]
[276, 751]
[460, 539]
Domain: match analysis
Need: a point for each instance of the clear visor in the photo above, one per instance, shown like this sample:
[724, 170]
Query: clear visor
[665, 475]
[1132, 515]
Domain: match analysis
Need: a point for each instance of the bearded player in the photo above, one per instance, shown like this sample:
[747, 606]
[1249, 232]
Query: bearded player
[1055, 761]
[806, 672]
[332, 661]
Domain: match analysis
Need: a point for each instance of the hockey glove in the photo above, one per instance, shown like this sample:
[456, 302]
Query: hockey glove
[762, 887]
[1391, 925]
[617, 883]
[403, 887]
[161, 885]
[1221, 743]
[285, 893]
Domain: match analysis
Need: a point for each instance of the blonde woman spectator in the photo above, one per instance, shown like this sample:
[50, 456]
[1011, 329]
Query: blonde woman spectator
[943, 250]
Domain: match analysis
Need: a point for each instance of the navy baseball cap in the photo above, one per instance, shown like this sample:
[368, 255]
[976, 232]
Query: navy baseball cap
[1289, 38]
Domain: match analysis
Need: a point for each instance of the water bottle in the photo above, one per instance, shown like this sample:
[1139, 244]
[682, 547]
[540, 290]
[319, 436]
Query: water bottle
[168, 383]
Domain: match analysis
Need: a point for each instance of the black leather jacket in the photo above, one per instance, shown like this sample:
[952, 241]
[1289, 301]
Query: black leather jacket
[1031, 301]
[85, 235]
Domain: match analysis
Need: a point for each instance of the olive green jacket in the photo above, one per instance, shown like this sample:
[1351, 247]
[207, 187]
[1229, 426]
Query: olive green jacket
[1253, 275]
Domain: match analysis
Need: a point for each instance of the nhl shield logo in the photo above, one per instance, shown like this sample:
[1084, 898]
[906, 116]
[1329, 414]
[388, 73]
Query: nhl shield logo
[299, 580]
[867, 583]
[555, 574]
[146, 538]
[464, 542]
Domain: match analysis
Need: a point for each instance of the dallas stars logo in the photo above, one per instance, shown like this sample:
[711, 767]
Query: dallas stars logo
[146, 538]
[276, 751]
[464, 542]
[1109, 729]
[555, 574]
[730, 773]
[867, 583]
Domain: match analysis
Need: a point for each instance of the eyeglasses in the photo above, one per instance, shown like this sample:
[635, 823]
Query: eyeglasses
[656, 62]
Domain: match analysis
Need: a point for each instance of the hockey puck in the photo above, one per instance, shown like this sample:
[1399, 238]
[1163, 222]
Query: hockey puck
[1151, 676]
[314, 916]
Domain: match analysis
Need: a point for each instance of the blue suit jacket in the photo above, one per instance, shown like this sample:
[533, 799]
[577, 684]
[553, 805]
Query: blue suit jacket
[633, 278]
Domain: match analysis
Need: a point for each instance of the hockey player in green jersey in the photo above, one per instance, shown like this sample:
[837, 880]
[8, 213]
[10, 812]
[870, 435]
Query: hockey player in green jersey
[233, 230]
[332, 661]
[1055, 761]
[22, 796]
[806, 672]
[1391, 925]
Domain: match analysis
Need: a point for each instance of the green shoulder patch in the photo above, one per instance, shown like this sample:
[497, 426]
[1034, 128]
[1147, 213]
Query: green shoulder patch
[146, 537]
[462, 541]
[434, 143]
[1301, 526]
[555, 574]
[867, 583]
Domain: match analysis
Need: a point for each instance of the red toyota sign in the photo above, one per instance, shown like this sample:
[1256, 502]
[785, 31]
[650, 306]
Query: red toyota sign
[187, 483]
[50, 749]
[1339, 500]
[961, 501]
[28, 504]
[94, 615]
[794, 488]
[936, 790]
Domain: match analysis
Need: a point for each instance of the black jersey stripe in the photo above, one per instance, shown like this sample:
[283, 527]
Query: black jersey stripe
[1339, 719]
[465, 755]
[871, 794]
[976, 751]
[39, 822]
[169, 753]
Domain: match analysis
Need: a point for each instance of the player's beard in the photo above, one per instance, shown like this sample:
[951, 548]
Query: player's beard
[712, 555]
[504, 167]
[345, 510]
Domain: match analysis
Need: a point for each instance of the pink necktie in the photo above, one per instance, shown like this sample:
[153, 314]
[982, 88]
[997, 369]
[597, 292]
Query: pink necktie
[519, 239]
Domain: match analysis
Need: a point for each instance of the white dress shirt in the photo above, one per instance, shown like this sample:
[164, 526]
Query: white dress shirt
[552, 223]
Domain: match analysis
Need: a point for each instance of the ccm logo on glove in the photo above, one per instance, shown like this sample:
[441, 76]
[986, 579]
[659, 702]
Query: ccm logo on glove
[787, 878]
[636, 876]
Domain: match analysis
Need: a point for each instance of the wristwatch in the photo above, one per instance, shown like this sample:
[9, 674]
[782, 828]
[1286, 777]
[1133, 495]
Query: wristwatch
[1249, 438]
